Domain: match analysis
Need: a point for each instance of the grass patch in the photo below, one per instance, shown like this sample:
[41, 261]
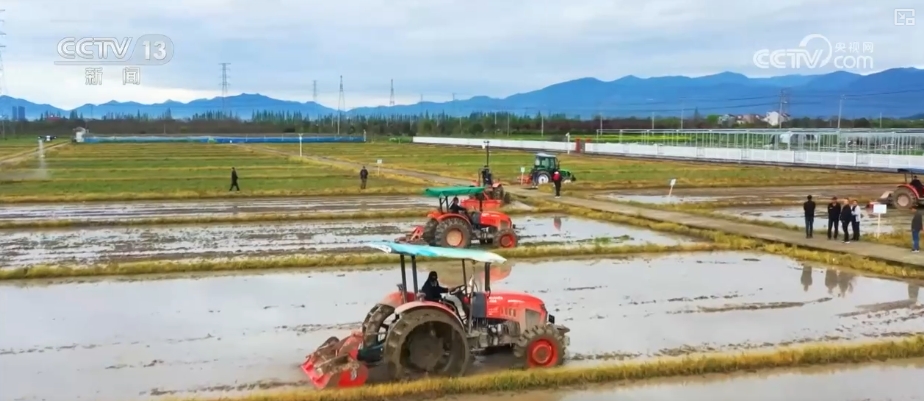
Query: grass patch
[319, 261]
[87, 172]
[735, 242]
[593, 172]
[519, 380]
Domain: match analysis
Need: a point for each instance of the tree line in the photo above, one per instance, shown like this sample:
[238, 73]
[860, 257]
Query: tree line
[500, 123]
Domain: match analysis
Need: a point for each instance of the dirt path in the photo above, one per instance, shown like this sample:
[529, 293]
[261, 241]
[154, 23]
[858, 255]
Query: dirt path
[874, 251]
[16, 158]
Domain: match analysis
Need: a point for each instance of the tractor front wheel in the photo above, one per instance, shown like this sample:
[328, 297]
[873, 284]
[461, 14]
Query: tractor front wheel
[506, 238]
[542, 346]
[374, 327]
[453, 233]
[904, 198]
[426, 341]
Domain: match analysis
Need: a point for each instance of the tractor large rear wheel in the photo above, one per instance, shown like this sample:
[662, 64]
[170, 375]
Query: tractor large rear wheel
[374, 327]
[453, 233]
[543, 178]
[542, 346]
[426, 342]
[904, 198]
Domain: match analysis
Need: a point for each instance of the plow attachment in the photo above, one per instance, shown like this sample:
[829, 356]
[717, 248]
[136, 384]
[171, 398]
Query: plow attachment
[335, 363]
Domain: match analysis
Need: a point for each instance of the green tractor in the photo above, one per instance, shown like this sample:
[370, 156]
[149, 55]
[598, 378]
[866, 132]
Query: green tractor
[543, 167]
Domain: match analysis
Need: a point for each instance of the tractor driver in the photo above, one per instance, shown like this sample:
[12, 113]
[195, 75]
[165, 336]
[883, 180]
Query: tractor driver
[433, 292]
[916, 183]
[455, 207]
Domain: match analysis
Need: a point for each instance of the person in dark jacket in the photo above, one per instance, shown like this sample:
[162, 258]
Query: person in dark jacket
[834, 214]
[432, 289]
[363, 176]
[234, 180]
[809, 208]
[486, 179]
[846, 219]
[556, 180]
[917, 224]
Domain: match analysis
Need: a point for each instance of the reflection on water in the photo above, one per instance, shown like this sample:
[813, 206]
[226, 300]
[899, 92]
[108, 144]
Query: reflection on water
[844, 283]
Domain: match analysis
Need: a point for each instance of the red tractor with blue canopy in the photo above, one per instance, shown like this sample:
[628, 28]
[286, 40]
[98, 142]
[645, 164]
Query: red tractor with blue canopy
[459, 228]
[426, 338]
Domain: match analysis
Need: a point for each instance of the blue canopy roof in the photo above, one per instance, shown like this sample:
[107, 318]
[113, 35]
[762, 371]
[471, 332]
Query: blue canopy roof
[916, 171]
[437, 252]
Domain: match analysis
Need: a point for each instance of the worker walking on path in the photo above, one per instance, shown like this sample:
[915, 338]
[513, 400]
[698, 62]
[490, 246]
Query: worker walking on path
[834, 214]
[234, 185]
[846, 219]
[556, 180]
[917, 223]
[363, 176]
[809, 208]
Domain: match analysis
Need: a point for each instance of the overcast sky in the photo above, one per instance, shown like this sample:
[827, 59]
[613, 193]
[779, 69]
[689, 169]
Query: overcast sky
[432, 48]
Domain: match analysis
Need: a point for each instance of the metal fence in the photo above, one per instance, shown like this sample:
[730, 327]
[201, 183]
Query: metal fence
[872, 141]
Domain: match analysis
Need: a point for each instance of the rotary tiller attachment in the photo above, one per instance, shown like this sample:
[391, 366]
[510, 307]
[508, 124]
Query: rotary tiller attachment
[415, 237]
[335, 365]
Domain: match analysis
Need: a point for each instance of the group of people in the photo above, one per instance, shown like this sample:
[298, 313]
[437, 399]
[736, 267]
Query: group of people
[843, 216]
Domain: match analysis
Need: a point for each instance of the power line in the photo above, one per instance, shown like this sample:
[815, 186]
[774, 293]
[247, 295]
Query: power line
[224, 89]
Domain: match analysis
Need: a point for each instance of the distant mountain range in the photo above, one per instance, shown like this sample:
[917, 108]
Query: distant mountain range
[893, 93]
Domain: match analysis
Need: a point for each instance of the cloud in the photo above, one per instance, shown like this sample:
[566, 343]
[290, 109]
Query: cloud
[432, 48]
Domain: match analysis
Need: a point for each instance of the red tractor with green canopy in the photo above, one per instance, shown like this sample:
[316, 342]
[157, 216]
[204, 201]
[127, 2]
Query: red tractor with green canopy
[459, 228]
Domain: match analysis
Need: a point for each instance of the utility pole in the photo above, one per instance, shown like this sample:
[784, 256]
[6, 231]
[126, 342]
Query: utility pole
[541, 124]
[314, 91]
[880, 120]
[683, 108]
[224, 90]
[840, 111]
[391, 98]
[3, 80]
[652, 121]
[341, 104]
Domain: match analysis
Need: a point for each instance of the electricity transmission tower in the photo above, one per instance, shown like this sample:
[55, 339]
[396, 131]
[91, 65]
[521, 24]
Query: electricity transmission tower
[784, 106]
[314, 91]
[224, 89]
[341, 105]
[391, 98]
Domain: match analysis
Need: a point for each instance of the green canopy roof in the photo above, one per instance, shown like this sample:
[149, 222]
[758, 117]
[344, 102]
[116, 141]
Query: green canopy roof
[452, 191]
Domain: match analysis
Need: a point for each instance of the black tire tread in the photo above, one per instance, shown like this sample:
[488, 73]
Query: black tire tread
[406, 323]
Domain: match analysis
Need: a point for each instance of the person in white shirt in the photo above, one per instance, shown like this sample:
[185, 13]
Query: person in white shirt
[856, 211]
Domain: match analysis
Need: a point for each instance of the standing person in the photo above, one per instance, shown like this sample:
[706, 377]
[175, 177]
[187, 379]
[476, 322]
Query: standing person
[486, 176]
[556, 180]
[834, 214]
[809, 208]
[846, 219]
[856, 212]
[917, 223]
[363, 176]
[234, 180]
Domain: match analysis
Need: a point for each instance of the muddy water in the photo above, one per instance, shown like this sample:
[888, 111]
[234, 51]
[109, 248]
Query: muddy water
[892, 381]
[664, 199]
[799, 192]
[894, 219]
[105, 244]
[680, 304]
[123, 340]
[152, 209]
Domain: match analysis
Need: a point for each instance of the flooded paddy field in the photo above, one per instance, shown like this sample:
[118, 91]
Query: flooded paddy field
[105, 211]
[745, 194]
[19, 248]
[207, 335]
[793, 215]
[889, 381]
